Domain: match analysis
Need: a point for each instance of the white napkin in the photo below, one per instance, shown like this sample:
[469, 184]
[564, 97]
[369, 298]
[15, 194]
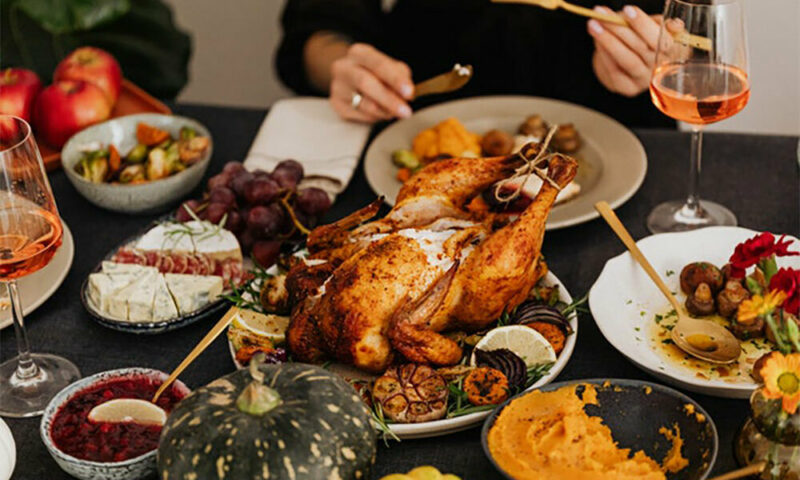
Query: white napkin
[309, 131]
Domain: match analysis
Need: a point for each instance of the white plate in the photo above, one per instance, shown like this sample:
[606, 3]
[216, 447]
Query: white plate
[457, 424]
[39, 286]
[612, 161]
[8, 452]
[624, 299]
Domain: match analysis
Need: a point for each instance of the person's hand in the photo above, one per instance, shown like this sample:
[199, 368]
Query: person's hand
[383, 83]
[624, 57]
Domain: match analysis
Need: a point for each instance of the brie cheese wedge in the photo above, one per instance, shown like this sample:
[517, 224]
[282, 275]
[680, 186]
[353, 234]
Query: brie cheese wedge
[164, 306]
[192, 292]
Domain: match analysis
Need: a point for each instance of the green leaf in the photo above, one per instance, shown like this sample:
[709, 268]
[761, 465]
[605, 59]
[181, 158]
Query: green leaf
[753, 286]
[152, 51]
[68, 16]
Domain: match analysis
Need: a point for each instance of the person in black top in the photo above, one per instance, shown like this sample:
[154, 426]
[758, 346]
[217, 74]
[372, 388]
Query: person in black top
[366, 55]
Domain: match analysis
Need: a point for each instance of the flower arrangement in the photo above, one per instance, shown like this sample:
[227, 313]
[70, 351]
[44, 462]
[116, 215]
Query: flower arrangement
[775, 293]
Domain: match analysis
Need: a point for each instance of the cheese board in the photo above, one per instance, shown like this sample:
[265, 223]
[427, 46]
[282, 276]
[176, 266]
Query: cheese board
[166, 277]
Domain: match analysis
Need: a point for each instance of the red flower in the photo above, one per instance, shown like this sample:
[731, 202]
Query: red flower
[788, 280]
[750, 252]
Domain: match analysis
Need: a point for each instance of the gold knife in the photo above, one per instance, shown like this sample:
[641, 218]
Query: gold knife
[446, 82]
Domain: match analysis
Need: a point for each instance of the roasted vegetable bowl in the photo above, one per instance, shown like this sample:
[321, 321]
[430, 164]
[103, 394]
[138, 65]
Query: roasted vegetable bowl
[118, 165]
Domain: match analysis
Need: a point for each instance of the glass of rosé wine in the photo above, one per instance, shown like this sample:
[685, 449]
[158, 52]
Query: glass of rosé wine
[699, 85]
[30, 234]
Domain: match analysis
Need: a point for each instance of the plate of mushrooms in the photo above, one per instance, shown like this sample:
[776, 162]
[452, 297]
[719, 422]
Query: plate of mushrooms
[612, 161]
[636, 319]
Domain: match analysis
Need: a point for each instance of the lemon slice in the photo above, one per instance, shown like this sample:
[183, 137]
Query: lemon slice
[132, 410]
[269, 327]
[526, 342]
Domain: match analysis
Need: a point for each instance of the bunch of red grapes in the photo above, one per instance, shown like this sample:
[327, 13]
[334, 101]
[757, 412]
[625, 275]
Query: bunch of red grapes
[264, 209]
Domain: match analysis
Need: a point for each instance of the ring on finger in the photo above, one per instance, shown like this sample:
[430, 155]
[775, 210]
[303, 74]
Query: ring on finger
[355, 100]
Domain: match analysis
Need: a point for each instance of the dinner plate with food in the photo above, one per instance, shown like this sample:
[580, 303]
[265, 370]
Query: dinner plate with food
[733, 276]
[434, 313]
[612, 161]
[171, 275]
[37, 287]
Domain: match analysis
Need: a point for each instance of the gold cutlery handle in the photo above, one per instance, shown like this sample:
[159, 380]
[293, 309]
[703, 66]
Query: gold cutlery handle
[743, 472]
[198, 349]
[588, 12]
[616, 224]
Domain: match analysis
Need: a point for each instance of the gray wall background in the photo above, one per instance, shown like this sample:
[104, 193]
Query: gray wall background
[234, 42]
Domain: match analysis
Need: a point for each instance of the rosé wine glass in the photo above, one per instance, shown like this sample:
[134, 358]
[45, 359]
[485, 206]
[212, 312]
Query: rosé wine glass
[30, 234]
[699, 86]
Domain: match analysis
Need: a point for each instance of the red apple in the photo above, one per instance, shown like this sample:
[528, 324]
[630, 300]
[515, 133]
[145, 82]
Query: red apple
[92, 65]
[67, 106]
[18, 90]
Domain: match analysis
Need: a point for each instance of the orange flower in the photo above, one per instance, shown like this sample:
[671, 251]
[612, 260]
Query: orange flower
[781, 375]
[758, 306]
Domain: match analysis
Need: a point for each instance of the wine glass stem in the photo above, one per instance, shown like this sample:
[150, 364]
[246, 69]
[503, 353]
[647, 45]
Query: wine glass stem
[692, 207]
[26, 368]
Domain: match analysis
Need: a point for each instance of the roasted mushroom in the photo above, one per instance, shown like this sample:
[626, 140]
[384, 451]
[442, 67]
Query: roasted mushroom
[533, 126]
[274, 296]
[496, 143]
[701, 302]
[729, 298]
[566, 139]
[696, 273]
[727, 269]
[751, 329]
[411, 393]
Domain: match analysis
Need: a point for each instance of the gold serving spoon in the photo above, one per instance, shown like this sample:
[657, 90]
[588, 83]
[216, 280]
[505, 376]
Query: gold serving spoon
[682, 36]
[144, 412]
[446, 82]
[742, 472]
[703, 339]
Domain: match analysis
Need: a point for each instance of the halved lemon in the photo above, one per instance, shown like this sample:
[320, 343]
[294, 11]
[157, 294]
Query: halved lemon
[132, 410]
[269, 327]
[526, 342]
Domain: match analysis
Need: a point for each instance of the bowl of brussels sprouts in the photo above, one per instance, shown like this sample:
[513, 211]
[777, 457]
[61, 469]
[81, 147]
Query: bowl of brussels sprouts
[140, 163]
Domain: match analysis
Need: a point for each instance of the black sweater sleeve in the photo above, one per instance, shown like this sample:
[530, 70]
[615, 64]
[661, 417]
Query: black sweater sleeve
[359, 20]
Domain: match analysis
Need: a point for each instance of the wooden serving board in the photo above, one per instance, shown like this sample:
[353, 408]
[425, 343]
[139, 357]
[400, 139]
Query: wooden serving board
[132, 99]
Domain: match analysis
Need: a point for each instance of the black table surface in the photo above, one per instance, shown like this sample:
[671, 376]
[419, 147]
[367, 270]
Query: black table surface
[756, 176]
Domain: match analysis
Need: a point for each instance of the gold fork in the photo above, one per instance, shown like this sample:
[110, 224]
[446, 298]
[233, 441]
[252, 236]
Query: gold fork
[683, 36]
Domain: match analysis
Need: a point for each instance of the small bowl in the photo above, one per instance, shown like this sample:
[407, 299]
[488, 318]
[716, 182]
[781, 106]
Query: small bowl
[149, 197]
[634, 410]
[132, 469]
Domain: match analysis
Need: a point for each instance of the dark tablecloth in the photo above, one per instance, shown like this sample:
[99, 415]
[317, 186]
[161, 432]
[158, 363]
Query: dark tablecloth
[756, 176]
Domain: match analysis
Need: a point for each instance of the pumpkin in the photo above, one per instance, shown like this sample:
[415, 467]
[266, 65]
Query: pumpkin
[289, 421]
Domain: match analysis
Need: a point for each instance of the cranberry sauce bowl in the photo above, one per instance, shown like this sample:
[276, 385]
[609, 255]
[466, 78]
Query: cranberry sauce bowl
[101, 450]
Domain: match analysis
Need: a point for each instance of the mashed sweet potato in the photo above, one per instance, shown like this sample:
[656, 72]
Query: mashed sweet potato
[548, 435]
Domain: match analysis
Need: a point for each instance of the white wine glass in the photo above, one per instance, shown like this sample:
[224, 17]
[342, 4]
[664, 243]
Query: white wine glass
[30, 234]
[699, 86]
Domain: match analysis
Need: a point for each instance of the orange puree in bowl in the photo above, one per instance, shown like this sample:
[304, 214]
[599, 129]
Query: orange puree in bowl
[548, 435]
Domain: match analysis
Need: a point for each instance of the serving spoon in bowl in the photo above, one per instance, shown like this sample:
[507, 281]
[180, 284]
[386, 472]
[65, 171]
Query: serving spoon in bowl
[703, 339]
[139, 411]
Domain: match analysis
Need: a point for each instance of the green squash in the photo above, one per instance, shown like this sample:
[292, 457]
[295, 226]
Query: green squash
[286, 422]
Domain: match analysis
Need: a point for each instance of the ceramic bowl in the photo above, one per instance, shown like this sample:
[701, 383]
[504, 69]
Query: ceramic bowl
[634, 410]
[149, 197]
[131, 469]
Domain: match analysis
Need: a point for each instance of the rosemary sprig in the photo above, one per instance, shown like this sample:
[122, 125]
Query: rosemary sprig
[577, 306]
[247, 296]
[383, 426]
